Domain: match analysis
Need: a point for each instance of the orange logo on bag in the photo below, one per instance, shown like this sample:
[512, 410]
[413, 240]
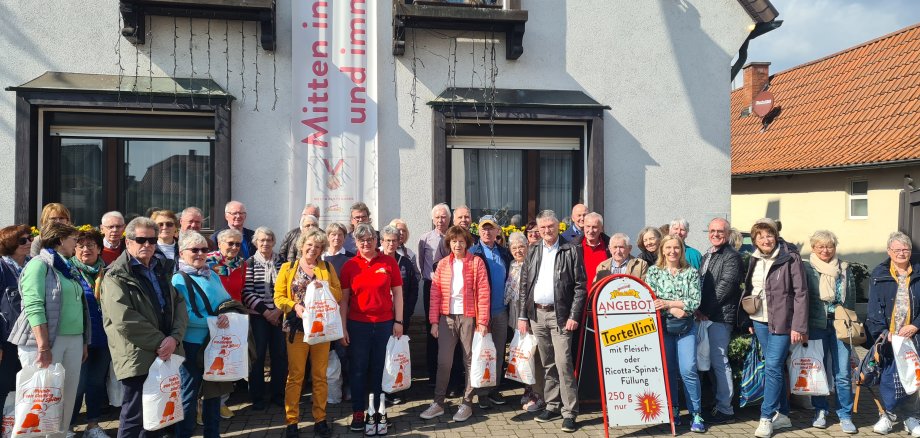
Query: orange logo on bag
[802, 382]
[487, 376]
[399, 377]
[512, 370]
[317, 324]
[169, 412]
[31, 422]
[217, 367]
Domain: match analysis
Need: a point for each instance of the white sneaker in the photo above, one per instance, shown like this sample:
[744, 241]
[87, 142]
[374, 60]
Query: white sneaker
[96, 432]
[781, 421]
[434, 410]
[912, 426]
[764, 428]
[464, 412]
[883, 425]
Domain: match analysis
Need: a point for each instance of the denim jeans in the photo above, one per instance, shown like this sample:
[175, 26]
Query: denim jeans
[836, 361]
[719, 336]
[680, 352]
[365, 355]
[775, 349]
[191, 373]
[93, 375]
[268, 339]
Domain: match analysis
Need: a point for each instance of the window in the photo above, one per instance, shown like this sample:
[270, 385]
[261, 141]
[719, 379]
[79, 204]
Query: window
[859, 199]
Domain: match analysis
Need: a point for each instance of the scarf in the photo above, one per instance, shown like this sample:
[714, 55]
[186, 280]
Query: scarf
[190, 270]
[66, 269]
[15, 266]
[223, 266]
[270, 270]
[827, 283]
[89, 272]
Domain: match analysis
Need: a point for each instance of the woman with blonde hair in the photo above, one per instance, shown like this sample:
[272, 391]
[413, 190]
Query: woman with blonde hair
[52, 212]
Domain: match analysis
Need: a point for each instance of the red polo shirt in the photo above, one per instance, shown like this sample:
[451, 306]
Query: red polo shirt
[370, 281]
[594, 255]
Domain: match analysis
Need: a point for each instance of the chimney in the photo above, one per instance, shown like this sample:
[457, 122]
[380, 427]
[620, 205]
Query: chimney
[756, 75]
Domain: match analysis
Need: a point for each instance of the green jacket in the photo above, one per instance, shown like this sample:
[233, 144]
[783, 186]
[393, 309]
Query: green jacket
[131, 317]
[817, 314]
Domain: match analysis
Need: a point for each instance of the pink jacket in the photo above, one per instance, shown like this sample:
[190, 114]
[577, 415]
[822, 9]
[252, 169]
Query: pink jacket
[475, 289]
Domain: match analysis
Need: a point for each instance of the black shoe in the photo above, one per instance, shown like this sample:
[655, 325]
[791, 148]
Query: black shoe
[568, 425]
[258, 406]
[453, 393]
[322, 429]
[357, 422]
[484, 402]
[718, 417]
[496, 397]
[291, 431]
[393, 399]
[547, 415]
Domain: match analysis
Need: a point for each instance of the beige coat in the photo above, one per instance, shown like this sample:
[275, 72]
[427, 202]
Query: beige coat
[634, 266]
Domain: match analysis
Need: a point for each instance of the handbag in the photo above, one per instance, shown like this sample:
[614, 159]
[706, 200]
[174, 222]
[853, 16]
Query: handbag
[869, 371]
[678, 326]
[848, 327]
[752, 376]
[751, 304]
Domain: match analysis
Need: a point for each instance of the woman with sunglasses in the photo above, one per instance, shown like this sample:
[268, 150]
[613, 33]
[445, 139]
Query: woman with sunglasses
[168, 236]
[15, 243]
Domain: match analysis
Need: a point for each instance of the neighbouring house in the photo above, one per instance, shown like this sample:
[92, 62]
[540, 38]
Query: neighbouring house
[834, 151]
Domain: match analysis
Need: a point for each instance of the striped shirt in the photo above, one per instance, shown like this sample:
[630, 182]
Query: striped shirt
[259, 289]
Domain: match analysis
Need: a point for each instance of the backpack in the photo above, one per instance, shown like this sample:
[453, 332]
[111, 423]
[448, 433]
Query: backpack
[869, 371]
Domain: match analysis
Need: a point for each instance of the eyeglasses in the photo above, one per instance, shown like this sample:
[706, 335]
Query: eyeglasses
[899, 251]
[237, 213]
[113, 227]
[25, 240]
[145, 240]
[366, 241]
[234, 244]
[198, 250]
[716, 231]
[166, 224]
[824, 247]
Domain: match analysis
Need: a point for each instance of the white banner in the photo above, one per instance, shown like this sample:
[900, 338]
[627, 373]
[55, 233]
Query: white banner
[334, 114]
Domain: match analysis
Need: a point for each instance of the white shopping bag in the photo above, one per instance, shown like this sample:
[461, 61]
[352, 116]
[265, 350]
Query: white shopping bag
[521, 363]
[226, 358]
[482, 367]
[905, 358]
[322, 320]
[702, 346]
[162, 396]
[114, 388]
[9, 416]
[397, 365]
[807, 375]
[334, 379]
[39, 401]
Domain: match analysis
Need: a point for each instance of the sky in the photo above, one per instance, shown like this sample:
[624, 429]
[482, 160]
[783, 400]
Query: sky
[813, 29]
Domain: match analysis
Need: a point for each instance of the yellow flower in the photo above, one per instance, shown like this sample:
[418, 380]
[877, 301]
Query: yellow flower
[562, 226]
[34, 232]
[85, 228]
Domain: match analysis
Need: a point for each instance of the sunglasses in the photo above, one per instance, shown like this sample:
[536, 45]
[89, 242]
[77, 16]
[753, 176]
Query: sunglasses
[198, 250]
[234, 244]
[145, 240]
[166, 224]
[25, 240]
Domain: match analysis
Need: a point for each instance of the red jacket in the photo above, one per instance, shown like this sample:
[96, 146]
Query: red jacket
[475, 289]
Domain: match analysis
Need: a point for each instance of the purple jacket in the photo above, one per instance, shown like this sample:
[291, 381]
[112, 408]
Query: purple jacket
[786, 290]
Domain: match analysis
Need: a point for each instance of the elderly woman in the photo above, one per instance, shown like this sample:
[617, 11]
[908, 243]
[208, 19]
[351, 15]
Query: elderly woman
[336, 254]
[403, 228]
[95, 369]
[677, 287]
[779, 312]
[53, 212]
[532, 233]
[259, 297]
[291, 287]
[15, 244]
[197, 282]
[830, 284]
[228, 264]
[532, 400]
[894, 309]
[648, 242]
[54, 324]
[373, 303]
[391, 241]
[167, 238]
[459, 305]
[307, 222]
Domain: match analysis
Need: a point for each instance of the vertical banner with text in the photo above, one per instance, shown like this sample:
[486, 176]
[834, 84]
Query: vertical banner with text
[334, 114]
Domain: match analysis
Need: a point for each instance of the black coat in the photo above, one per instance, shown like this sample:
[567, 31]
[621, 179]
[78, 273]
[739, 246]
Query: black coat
[569, 282]
[882, 291]
[721, 290]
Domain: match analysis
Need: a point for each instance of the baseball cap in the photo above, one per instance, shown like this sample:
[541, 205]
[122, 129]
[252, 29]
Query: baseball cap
[488, 219]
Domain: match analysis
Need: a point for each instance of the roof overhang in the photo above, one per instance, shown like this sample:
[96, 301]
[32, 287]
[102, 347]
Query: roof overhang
[78, 83]
[516, 98]
[761, 11]
[844, 168]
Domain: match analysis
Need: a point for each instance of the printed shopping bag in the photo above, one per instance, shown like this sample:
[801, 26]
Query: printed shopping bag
[161, 399]
[39, 401]
[807, 375]
[521, 363]
[905, 358]
[397, 365]
[9, 416]
[322, 320]
[226, 358]
[752, 376]
[484, 361]
[702, 346]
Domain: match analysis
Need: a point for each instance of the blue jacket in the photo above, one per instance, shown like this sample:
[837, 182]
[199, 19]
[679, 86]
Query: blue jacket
[197, 331]
[882, 290]
[497, 300]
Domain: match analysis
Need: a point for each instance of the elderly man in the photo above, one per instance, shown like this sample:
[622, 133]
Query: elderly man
[463, 219]
[621, 261]
[289, 245]
[680, 227]
[431, 249]
[579, 211]
[593, 245]
[112, 227]
[721, 277]
[359, 214]
[192, 219]
[143, 316]
[498, 260]
[235, 213]
[553, 300]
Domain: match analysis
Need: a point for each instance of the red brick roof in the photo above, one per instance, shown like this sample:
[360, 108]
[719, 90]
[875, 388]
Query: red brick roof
[856, 107]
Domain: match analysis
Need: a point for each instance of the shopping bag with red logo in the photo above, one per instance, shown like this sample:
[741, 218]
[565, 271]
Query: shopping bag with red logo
[482, 368]
[908, 363]
[397, 365]
[806, 369]
[161, 399]
[322, 320]
[39, 401]
[226, 358]
[521, 363]
[9, 416]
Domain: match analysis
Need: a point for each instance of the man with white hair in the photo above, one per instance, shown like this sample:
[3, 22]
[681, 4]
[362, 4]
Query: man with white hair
[235, 213]
[621, 260]
[192, 219]
[113, 242]
[431, 249]
[680, 228]
[290, 239]
[579, 211]
[593, 243]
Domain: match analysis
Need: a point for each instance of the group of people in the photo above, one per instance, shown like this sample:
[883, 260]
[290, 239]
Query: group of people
[122, 296]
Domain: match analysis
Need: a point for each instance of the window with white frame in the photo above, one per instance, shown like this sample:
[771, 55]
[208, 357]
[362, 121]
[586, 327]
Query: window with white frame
[859, 199]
